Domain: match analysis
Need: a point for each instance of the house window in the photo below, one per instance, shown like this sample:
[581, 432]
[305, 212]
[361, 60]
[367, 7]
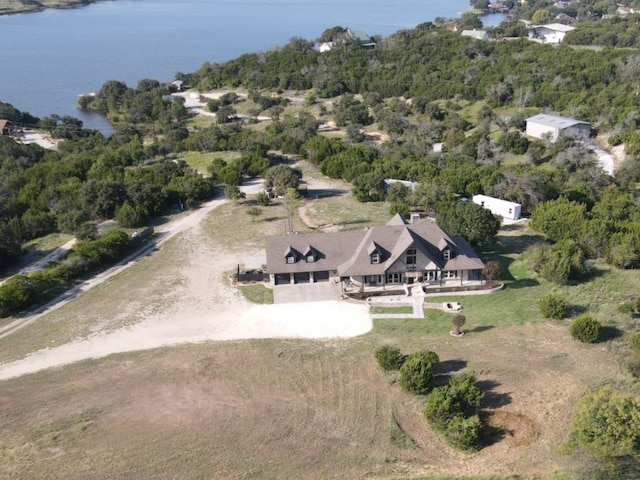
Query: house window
[375, 258]
[510, 211]
[450, 274]
[431, 275]
[446, 254]
[394, 278]
[373, 279]
[291, 259]
[310, 259]
[412, 254]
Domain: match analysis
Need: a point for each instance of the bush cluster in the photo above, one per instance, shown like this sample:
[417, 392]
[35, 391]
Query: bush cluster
[23, 291]
[452, 411]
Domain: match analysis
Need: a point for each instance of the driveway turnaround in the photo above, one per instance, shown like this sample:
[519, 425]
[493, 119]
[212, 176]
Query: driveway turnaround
[305, 292]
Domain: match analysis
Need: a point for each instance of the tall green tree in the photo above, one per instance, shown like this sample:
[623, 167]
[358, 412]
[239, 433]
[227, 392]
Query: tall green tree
[466, 219]
[559, 219]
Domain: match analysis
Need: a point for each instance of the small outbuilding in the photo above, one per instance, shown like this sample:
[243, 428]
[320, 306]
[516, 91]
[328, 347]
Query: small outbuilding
[551, 33]
[555, 126]
[476, 34]
[497, 206]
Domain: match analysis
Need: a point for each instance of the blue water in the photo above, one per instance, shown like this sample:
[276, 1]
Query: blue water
[49, 58]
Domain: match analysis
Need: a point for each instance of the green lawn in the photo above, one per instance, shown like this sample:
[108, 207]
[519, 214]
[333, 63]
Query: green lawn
[200, 161]
[398, 309]
[257, 293]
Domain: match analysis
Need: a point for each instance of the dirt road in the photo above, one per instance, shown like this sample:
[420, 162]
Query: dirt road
[203, 309]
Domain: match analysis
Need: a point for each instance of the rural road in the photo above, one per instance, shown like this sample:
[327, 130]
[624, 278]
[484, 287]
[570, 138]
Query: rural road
[163, 233]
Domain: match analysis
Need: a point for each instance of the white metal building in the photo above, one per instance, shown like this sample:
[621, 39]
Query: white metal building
[505, 209]
[551, 33]
[476, 34]
[554, 125]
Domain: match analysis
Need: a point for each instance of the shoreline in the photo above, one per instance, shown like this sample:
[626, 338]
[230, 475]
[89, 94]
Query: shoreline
[39, 7]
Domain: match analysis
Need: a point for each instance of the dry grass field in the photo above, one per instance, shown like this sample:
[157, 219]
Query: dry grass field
[292, 409]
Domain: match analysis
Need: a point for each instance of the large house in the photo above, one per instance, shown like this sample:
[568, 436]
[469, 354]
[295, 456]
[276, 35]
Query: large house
[555, 126]
[384, 257]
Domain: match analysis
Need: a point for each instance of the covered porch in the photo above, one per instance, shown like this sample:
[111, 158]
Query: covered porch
[410, 282]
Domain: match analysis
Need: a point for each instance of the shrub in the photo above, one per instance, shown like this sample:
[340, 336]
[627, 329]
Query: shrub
[633, 366]
[492, 270]
[262, 198]
[452, 411]
[417, 372]
[585, 329]
[389, 358]
[457, 322]
[625, 308]
[634, 341]
[607, 423]
[552, 306]
[16, 294]
[463, 433]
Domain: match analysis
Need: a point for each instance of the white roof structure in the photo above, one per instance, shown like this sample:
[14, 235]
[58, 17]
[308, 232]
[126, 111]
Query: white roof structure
[477, 34]
[558, 27]
[555, 121]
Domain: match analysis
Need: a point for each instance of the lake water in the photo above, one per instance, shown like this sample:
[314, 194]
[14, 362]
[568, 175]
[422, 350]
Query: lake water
[49, 58]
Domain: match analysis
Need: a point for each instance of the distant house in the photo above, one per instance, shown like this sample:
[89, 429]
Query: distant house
[7, 127]
[385, 257]
[623, 10]
[476, 34]
[362, 38]
[497, 7]
[497, 206]
[555, 126]
[407, 183]
[551, 33]
[349, 36]
[325, 46]
[178, 85]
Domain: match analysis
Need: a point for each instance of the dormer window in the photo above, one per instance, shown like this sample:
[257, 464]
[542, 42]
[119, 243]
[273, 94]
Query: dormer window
[291, 255]
[375, 257]
[446, 254]
[311, 258]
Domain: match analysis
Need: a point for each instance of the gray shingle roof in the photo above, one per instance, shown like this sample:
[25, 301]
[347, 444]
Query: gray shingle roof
[349, 253]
